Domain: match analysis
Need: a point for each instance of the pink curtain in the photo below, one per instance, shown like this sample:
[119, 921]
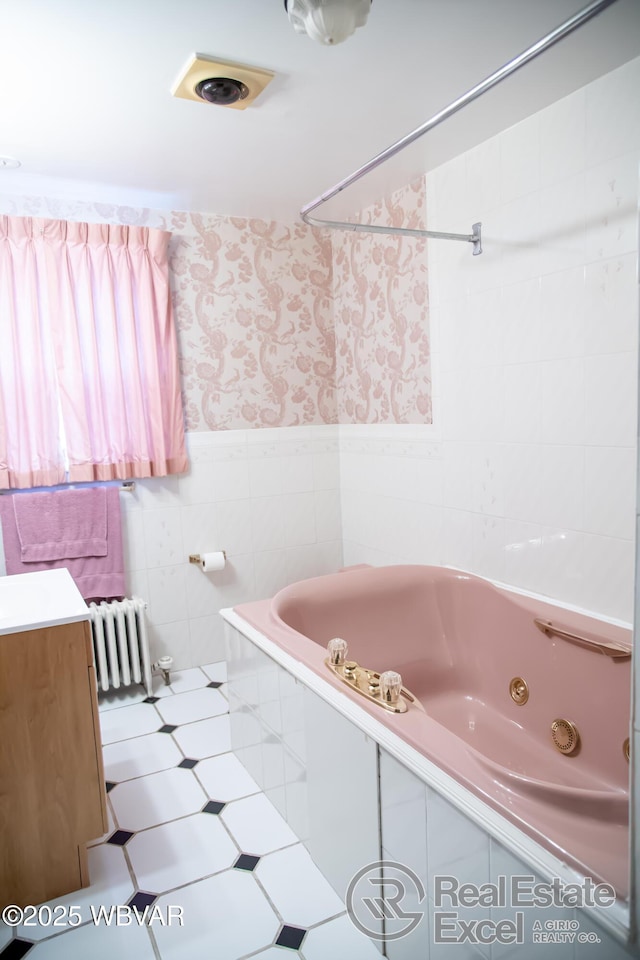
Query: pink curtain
[89, 379]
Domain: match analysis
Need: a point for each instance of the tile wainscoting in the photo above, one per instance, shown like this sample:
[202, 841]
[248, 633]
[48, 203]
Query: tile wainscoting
[269, 498]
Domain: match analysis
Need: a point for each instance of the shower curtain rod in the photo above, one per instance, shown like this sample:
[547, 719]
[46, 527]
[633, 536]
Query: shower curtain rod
[475, 237]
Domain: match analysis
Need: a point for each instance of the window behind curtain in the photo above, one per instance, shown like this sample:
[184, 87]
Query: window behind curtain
[89, 379]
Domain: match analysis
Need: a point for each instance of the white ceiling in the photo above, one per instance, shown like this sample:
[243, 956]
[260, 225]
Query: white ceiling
[85, 102]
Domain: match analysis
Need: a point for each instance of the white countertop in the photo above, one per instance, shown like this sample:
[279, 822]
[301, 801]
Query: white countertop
[45, 598]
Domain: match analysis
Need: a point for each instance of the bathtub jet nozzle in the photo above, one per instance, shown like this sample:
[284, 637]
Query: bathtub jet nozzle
[565, 735]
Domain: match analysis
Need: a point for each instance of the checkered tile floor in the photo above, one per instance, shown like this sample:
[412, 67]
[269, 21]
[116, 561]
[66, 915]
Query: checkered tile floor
[193, 841]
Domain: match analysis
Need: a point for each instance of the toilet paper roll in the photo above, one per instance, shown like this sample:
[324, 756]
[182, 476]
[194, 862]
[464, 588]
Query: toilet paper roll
[212, 562]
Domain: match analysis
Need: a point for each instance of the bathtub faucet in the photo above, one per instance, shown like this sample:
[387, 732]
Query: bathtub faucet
[385, 689]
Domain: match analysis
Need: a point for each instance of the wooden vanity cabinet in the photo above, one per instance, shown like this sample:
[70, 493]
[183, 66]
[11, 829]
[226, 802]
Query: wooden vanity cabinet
[52, 792]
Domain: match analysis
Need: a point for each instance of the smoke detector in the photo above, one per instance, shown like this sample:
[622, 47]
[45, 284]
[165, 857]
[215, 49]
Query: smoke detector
[217, 81]
[327, 21]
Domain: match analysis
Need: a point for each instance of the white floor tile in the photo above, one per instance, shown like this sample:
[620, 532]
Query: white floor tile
[297, 889]
[180, 852]
[100, 942]
[155, 799]
[226, 917]
[6, 934]
[178, 848]
[122, 697]
[189, 707]
[112, 827]
[159, 688]
[216, 671]
[205, 738]
[275, 953]
[256, 825]
[138, 757]
[184, 680]
[224, 778]
[338, 938]
[467, 951]
[110, 885]
[608, 947]
[127, 722]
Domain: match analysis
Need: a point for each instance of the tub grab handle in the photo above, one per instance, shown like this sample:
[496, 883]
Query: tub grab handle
[614, 650]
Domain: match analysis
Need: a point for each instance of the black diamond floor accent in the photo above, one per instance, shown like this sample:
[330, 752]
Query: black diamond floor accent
[213, 806]
[140, 900]
[215, 684]
[290, 937]
[167, 728]
[246, 862]
[120, 837]
[151, 699]
[15, 949]
[109, 785]
[188, 764]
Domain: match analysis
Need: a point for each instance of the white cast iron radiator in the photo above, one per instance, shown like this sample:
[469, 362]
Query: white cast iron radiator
[120, 643]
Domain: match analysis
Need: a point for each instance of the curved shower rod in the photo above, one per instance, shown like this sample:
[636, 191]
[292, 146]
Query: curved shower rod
[475, 237]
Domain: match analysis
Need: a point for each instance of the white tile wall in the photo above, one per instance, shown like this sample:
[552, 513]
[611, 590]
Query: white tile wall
[530, 462]
[342, 791]
[422, 830]
[270, 498]
[280, 730]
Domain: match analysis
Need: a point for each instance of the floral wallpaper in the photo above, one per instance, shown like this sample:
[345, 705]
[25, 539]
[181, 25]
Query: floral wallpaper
[253, 308]
[381, 311]
[280, 324]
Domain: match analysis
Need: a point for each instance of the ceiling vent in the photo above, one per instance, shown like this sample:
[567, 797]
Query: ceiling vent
[218, 81]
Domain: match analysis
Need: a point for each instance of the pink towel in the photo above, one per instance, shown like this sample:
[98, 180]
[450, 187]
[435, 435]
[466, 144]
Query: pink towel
[61, 524]
[100, 577]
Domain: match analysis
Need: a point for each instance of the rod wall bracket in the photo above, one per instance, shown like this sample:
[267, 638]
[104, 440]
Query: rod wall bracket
[476, 234]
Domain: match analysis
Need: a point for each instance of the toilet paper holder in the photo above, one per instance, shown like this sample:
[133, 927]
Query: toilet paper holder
[196, 557]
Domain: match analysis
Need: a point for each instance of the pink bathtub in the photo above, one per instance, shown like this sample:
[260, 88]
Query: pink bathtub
[458, 641]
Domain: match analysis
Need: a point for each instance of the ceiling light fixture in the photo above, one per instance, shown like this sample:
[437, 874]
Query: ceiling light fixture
[327, 21]
[226, 84]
